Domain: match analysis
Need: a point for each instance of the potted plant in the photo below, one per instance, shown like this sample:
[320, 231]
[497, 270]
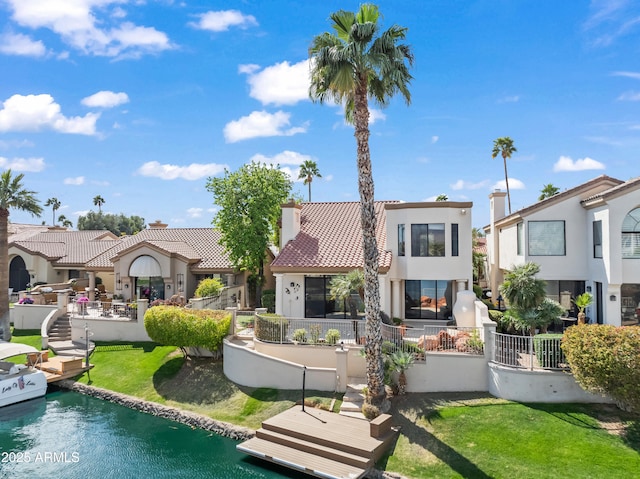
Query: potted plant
[582, 302]
[25, 300]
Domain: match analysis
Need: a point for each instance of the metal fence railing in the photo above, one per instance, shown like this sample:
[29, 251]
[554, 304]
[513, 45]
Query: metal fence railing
[529, 352]
[104, 310]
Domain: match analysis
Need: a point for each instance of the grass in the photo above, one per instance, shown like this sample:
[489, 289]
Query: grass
[443, 436]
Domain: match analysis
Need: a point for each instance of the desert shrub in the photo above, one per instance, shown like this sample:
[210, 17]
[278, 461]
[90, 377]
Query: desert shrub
[208, 287]
[370, 411]
[269, 300]
[271, 328]
[477, 290]
[332, 336]
[314, 333]
[547, 348]
[300, 335]
[175, 326]
[606, 359]
[503, 325]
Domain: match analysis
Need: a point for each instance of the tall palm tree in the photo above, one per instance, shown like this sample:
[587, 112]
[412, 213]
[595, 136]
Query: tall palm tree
[99, 201]
[349, 67]
[504, 146]
[12, 196]
[309, 170]
[55, 206]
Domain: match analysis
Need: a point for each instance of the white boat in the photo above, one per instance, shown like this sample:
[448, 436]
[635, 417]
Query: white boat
[19, 382]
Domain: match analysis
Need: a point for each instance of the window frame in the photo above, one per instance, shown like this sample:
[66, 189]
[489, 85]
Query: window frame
[597, 238]
[427, 231]
[532, 230]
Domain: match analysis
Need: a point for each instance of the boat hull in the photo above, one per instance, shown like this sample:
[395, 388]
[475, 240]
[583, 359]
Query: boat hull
[26, 385]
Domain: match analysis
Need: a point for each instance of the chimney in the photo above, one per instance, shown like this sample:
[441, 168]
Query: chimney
[497, 212]
[157, 225]
[290, 222]
[497, 206]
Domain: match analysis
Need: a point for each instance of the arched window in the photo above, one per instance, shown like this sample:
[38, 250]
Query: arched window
[631, 234]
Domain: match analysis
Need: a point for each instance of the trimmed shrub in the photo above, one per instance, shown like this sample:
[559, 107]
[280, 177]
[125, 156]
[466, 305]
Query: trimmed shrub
[606, 359]
[300, 335]
[548, 351]
[175, 326]
[332, 336]
[209, 287]
[271, 328]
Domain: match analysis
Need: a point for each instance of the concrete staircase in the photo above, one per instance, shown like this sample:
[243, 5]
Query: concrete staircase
[353, 398]
[60, 339]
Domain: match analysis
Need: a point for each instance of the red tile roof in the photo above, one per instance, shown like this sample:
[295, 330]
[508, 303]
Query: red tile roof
[330, 239]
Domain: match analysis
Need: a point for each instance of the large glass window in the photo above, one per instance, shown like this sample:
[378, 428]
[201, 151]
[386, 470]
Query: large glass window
[564, 292]
[631, 235]
[427, 239]
[546, 238]
[520, 238]
[427, 299]
[318, 302]
[630, 304]
[597, 239]
[400, 240]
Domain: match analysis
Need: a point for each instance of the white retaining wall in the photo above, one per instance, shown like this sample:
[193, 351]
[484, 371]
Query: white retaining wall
[30, 316]
[448, 372]
[109, 330]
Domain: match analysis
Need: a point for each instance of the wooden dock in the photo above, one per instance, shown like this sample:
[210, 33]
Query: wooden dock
[321, 443]
[57, 368]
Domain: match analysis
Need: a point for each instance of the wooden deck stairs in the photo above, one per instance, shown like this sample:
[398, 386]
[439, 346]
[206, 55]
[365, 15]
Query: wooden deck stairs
[321, 443]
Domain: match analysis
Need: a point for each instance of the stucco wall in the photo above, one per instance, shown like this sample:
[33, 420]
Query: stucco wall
[538, 386]
[448, 372]
[109, 330]
[30, 316]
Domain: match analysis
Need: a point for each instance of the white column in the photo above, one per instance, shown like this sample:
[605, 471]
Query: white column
[396, 310]
[92, 286]
[279, 292]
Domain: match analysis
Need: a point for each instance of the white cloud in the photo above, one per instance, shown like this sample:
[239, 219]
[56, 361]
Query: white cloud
[78, 180]
[634, 75]
[105, 99]
[465, 185]
[90, 26]
[434, 139]
[375, 115]
[194, 212]
[565, 163]
[285, 158]
[22, 164]
[194, 171]
[222, 20]
[37, 112]
[514, 184]
[21, 45]
[629, 96]
[328, 178]
[248, 68]
[279, 84]
[261, 124]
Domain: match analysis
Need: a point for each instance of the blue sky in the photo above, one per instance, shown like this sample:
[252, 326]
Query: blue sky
[140, 101]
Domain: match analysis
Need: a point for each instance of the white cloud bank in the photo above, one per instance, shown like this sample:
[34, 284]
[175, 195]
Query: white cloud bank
[77, 181]
[41, 112]
[93, 27]
[21, 45]
[22, 164]
[222, 20]
[466, 185]
[514, 184]
[105, 99]
[287, 158]
[279, 84]
[565, 163]
[261, 124]
[194, 171]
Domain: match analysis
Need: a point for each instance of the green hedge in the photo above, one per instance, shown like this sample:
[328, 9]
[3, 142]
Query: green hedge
[548, 351]
[271, 328]
[175, 326]
[269, 300]
[606, 359]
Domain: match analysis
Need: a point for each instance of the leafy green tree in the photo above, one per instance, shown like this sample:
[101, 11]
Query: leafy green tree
[308, 171]
[13, 195]
[55, 206]
[119, 225]
[548, 191]
[249, 201]
[504, 146]
[99, 201]
[442, 197]
[67, 223]
[351, 66]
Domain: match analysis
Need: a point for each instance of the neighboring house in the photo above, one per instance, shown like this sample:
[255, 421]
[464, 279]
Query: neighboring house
[586, 238]
[155, 263]
[424, 257]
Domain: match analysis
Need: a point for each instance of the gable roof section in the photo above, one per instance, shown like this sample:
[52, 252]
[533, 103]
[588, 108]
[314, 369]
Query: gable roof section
[586, 190]
[199, 246]
[330, 239]
[611, 193]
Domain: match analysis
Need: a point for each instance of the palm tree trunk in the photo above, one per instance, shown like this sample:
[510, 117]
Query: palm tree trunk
[373, 345]
[5, 324]
[309, 182]
[506, 181]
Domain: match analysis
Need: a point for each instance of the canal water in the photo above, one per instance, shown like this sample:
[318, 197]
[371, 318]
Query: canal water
[68, 435]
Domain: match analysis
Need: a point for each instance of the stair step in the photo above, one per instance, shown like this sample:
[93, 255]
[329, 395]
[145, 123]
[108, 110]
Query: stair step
[305, 462]
[314, 448]
[349, 406]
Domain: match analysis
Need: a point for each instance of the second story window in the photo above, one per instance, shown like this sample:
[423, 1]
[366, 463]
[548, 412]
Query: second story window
[520, 238]
[401, 240]
[454, 239]
[547, 238]
[597, 239]
[427, 239]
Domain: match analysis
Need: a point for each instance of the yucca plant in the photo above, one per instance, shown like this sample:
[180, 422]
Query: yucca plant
[401, 361]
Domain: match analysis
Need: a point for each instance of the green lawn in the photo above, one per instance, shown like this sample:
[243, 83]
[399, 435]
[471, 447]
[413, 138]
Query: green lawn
[443, 436]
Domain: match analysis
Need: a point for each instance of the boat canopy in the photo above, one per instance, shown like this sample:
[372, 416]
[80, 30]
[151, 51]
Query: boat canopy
[8, 350]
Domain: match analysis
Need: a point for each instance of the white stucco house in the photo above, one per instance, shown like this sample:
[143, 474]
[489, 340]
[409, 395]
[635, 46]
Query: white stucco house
[585, 239]
[425, 257]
